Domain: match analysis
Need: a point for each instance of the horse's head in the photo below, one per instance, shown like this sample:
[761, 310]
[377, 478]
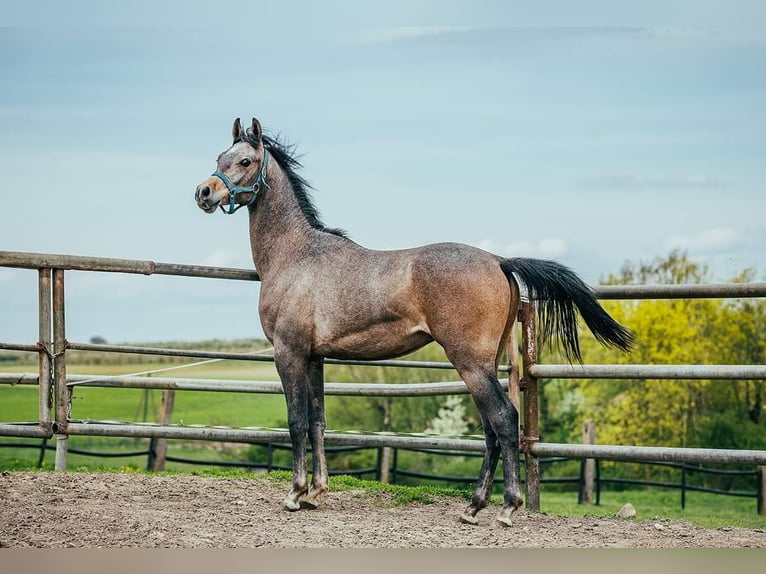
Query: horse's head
[240, 172]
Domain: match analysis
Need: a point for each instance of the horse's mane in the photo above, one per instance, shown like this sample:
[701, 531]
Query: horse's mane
[284, 155]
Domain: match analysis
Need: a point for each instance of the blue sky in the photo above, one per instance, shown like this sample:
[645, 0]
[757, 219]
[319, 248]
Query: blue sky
[592, 137]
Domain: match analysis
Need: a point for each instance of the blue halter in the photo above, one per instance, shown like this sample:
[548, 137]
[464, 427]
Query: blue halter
[237, 189]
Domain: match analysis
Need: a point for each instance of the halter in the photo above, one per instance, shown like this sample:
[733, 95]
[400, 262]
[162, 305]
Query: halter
[237, 189]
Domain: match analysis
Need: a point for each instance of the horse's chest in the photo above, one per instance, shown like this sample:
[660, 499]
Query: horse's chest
[286, 306]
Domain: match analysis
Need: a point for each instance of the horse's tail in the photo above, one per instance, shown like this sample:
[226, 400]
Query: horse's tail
[560, 293]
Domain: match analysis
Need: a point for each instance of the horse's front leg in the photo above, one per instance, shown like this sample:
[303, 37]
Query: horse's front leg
[293, 372]
[320, 479]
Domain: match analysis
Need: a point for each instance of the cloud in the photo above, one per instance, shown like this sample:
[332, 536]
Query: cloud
[548, 247]
[709, 240]
[223, 258]
[384, 35]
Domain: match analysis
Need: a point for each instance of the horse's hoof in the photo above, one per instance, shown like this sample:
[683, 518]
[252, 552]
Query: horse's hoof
[466, 518]
[312, 499]
[291, 504]
[504, 516]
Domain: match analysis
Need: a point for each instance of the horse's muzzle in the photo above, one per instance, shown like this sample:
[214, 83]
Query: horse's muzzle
[204, 200]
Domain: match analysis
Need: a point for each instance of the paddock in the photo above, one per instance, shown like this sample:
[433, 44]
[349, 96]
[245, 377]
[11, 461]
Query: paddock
[136, 510]
[55, 385]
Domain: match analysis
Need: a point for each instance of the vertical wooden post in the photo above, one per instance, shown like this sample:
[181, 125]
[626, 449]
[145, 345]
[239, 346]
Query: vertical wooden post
[45, 342]
[384, 458]
[531, 423]
[61, 390]
[385, 452]
[161, 444]
[762, 490]
[589, 464]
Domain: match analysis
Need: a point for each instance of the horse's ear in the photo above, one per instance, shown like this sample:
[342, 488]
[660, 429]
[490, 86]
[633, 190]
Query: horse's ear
[255, 130]
[237, 131]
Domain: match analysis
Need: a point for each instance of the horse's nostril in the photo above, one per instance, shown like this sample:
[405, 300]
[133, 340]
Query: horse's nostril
[204, 193]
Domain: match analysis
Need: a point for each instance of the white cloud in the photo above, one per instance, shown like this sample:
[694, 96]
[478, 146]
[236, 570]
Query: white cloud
[397, 33]
[223, 258]
[547, 247]
[706, 241]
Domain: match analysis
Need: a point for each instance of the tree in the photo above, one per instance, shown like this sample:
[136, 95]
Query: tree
[450, 419]
[715, 414]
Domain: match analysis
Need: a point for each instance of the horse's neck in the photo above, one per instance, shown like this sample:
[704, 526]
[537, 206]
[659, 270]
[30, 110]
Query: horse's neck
[279, 231]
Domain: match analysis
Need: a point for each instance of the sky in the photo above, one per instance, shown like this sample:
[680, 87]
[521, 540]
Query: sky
[592, 133]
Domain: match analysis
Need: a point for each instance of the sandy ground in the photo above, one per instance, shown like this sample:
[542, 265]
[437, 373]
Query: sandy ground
[61, 510]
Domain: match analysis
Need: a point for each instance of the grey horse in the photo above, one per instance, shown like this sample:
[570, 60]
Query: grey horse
[324, 296]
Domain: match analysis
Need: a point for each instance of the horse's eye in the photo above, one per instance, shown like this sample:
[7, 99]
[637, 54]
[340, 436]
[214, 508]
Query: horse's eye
[245, 162]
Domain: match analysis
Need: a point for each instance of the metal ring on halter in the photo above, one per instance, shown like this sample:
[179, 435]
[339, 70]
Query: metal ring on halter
[236, 189]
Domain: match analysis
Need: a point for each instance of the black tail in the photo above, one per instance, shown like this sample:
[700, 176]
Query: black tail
[560, 293]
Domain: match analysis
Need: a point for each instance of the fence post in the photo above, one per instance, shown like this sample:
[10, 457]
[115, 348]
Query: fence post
[384, 464]
[158, 454]
[62, 392]
[531, 423]
[588, 464]
[45, 343]
[762, 490]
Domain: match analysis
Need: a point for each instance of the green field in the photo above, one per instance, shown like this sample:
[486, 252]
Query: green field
[19, 403]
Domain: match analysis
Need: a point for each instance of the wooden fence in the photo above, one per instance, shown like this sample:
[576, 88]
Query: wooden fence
[55, 385]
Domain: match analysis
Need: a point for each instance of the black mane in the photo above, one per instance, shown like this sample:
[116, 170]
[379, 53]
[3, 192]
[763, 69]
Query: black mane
[284, 155]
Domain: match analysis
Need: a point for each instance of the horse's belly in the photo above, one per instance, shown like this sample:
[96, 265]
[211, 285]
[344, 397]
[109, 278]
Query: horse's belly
[382, 341]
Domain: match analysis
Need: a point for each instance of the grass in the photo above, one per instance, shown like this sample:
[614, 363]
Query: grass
[702, 508]
[19, 403]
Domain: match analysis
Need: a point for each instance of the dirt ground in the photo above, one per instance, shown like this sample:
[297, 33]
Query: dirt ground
[83, 510]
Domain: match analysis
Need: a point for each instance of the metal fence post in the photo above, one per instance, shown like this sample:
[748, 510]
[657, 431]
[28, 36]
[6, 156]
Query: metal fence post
[531, 423]
[61, 390]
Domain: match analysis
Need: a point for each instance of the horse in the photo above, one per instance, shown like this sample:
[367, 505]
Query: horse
[324, 296]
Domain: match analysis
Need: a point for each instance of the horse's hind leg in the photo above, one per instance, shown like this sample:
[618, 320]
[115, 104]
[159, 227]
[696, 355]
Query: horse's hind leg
[320, 479]
[496, 407]
[483, 489]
